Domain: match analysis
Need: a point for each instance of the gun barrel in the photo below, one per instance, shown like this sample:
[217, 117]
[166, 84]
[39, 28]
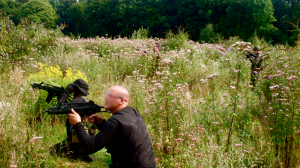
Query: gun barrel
[35, 85]
[84, 110]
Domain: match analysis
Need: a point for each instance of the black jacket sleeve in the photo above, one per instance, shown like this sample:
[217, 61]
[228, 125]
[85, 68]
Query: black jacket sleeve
[92, 144]
[101, 125]
[63, 97]
[69, 89]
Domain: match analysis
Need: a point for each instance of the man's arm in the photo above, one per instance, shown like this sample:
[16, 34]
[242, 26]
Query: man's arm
[92, 144]
[101, 125]
[252, 60]
[69, 89]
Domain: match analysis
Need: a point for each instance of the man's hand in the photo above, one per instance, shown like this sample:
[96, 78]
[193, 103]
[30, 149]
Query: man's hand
[97, 117]
[74, 117]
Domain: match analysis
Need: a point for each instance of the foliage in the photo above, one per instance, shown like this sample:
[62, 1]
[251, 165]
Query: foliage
[75, 18]
[263, 12]
[207, 34]
[39, 11]
[142, 33]
[193, 97]
[177, 39]
[90, 18]
[54, 75]
[61, 8]
[20, 40]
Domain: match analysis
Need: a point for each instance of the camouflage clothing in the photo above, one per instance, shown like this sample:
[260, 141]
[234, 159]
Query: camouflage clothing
[79, 88]
[256, 67]
[70, 146]
[72, 137]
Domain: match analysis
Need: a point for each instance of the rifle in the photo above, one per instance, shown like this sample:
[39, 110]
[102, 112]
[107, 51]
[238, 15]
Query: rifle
[83, 109]
[137, 49]
[249, 55]
[53, 91]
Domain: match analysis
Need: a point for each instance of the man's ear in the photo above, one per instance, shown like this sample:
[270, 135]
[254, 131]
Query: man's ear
[122, 101]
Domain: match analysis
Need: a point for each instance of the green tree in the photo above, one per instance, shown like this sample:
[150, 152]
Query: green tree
[123, 14]
[244, 18]
[4, 6]
[249, 18]
[263, 12]
[10, 8]
[39, 11]
[188, 16]
[285, 11]
[239, 20]
[99, 18]
[208, 34]
[22, 1]
[55, 4]
[61, 8]
[152, 14]
[75, 18]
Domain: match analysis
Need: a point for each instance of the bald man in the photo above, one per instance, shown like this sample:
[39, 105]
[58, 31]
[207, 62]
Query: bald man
[124, 134]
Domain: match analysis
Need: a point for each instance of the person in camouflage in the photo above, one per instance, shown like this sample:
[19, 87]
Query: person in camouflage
[71, 147]
[256, 60]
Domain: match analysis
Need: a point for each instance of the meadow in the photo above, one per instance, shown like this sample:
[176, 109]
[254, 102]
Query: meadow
[195, 98]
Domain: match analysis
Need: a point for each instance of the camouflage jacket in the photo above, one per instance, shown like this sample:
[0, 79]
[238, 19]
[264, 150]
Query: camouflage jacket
[257, 62]
[87, 126]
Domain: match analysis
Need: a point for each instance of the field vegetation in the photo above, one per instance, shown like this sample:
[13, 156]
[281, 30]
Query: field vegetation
[195, 98]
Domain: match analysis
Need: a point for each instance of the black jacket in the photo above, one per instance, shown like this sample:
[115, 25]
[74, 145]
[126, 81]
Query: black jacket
[126, 138]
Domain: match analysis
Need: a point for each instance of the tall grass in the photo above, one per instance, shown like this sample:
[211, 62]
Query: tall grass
[188, 101]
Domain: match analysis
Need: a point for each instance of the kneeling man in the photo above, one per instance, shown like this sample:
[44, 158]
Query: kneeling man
[124, 134]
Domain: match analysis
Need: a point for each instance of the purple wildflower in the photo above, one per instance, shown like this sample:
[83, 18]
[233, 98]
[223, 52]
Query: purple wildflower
[194, 111]
[218, 47]
[229, 49]
[270, 77]
[255, 72]
[56, 25]
[222, 53]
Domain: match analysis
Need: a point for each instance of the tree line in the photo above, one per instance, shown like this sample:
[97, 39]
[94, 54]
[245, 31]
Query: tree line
[204, 20]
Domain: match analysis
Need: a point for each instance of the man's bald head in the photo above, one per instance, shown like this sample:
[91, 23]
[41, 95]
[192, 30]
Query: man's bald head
[121, 92]
[116, 98]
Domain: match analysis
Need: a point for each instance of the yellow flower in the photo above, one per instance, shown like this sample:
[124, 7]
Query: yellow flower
[54, 75]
